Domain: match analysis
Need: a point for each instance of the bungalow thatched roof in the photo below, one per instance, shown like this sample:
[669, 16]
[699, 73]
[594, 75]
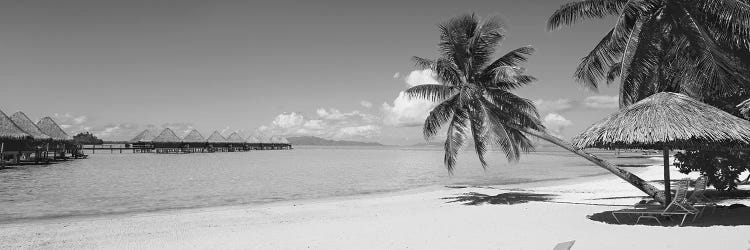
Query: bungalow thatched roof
[145, 136]
[216, 138]
[49, 127]
[667, 120]
[28, 126]
[235, 138]
[8, 129]
[167, 135]
[194, 136]
[252, 139]
[283, 140]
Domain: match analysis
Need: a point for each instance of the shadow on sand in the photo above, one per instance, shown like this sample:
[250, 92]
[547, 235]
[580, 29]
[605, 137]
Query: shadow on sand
[722, 216]
[511, 198]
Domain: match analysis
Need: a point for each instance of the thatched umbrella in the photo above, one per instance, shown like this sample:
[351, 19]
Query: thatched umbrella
[667, 121]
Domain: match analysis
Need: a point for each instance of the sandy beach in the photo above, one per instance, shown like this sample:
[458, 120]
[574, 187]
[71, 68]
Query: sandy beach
[431, 218]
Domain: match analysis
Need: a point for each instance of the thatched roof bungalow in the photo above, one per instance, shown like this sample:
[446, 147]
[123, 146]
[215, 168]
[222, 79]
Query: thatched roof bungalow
[194, 138]
[12, 137]
[167, 139]
[235, 138]
[50, 128]
[144, 137]
[216, 139]
[28, 126]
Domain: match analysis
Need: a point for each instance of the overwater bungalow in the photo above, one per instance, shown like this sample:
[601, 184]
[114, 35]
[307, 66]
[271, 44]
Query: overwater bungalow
[195, 142]
[13, 141]
[38, 148]
[253, 143]
[217, 142]
[276, 142]
[143, 142]
[167, 142]
[236, 142]
[62, 143]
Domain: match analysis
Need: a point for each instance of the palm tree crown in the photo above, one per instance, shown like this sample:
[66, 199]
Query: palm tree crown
[691, 46]
[475, 92]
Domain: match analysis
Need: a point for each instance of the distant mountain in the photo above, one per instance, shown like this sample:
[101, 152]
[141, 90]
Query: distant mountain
[317, 141]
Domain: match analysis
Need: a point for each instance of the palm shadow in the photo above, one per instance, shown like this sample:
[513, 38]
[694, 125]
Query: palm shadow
[510, 198]
[736, 215]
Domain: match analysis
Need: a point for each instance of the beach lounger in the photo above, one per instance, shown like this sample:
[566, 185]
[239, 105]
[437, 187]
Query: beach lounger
[564, 245]
[698, 198]
[678, 206]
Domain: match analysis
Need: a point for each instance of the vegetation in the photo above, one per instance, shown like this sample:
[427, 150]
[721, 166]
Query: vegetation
[722, 168]
[87, 138]
[696, 47]
[476, 102]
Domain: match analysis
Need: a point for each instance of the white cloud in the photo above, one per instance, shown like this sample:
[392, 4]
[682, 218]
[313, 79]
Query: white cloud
[406, 112]
[330, 123]
[288, 120]
[559, 105]
[397, 75]
[365, 104]
[313, 124]
[410, 112]
[421, 77]
[556, 123]
[602, 102]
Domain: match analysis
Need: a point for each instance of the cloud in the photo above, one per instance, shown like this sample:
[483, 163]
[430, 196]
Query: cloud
[365, 104]
[547, 106]
[601, 102]
[397, 75]
[288, 120]
[421, 77]
[329, 123]
[410, 112]
[556, 123]
[406, 112]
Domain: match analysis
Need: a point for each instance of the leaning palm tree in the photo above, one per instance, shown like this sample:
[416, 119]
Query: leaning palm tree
[696, 47]
[476, 99]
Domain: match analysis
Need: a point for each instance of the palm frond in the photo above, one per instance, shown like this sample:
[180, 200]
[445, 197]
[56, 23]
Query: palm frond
[431, 92]
[423, 63]
[571, 13]
[456, 137]
[614, 72]
[477, 117]
[439, 116]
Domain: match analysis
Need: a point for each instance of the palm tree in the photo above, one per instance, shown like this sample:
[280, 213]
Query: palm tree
[697, 47]
[476, 102]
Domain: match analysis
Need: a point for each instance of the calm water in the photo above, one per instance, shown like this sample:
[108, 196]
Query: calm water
[119, 183]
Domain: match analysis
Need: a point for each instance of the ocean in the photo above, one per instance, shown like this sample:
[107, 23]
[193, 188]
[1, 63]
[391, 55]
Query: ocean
[129, 183]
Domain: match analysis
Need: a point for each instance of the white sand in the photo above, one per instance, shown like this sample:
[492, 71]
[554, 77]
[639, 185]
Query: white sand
[419, 219]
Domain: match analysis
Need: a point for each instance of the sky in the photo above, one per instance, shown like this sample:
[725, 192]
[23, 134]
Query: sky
[333, 69]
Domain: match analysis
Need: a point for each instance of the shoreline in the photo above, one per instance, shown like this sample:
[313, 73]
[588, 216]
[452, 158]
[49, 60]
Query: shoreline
[424, 218]
[375, 194]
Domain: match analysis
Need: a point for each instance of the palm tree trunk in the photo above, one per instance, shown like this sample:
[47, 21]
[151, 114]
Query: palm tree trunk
[634, 180]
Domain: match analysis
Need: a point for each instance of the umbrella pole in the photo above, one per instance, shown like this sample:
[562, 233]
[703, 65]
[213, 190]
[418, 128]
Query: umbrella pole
[667, 183]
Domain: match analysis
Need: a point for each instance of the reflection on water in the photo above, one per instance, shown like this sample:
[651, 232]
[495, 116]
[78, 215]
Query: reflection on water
[117, 183]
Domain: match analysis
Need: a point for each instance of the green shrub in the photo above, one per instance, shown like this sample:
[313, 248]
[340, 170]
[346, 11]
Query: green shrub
[722, 168]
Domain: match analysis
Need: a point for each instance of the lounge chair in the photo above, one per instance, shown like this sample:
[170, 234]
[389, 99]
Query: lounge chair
[564, 245]
[678, 206]
[698, 198]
